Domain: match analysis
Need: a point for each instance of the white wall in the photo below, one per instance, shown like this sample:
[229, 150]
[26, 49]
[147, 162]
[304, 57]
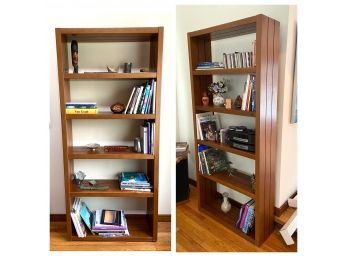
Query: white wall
[191, 18]
[113, 16]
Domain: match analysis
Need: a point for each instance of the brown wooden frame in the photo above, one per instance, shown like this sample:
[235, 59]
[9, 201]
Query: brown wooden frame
[142, 227]
[266, 70]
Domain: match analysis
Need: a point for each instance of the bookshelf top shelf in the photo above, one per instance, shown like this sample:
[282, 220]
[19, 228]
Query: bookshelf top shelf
[227, 30]
[109, 75]
[109, 34]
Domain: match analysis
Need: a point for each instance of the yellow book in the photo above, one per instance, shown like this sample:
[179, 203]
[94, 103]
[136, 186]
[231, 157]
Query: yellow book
[81, 111]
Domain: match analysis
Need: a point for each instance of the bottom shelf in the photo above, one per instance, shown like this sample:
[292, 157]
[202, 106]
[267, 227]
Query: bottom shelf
[229, 219]
[138, 226]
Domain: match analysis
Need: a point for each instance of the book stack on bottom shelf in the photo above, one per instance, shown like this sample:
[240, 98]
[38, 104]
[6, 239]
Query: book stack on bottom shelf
[104, 223]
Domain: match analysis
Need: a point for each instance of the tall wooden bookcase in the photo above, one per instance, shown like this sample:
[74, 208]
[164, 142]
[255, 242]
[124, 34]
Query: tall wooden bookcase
[141, 227]
[266, 70]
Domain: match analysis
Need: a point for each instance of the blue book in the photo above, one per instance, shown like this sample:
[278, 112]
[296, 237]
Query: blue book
[86, 215]
[133, 177]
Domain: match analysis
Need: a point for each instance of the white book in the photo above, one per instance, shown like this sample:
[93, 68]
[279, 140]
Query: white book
[154, 98]
[143, 135]
[203, 117]
[245, 94]
[135, 97]
[129, 100]
[76, 224]
[138, 100]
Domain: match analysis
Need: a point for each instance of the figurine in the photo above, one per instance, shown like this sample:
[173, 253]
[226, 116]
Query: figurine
[75, 55]
[117, 108]
[228, 103]
[226, 205]
[78, 177]
[205, 99]
[238, 102]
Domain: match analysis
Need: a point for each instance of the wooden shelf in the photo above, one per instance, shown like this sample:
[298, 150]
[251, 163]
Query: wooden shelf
[227, 148]
[138, 227]
[111, 116]
[113, 191]
[224, 110]
[224, 71]
[81, 152]
[109, 75]
[238, 181]
[229, 220]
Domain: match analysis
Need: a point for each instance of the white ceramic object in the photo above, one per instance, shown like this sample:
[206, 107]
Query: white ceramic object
[225, 206]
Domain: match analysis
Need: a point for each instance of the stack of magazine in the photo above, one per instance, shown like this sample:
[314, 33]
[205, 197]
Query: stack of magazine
[105, 223]
[134, 181]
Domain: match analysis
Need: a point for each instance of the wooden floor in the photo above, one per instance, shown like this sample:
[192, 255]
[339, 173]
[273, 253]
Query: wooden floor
[196, 232]
[58, 241]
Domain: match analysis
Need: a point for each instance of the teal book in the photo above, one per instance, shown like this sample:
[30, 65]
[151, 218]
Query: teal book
[133, 177]
[86, 215]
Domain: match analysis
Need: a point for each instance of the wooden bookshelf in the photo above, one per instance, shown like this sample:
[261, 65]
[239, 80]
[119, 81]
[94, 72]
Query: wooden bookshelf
[266, 72]
[141, 227]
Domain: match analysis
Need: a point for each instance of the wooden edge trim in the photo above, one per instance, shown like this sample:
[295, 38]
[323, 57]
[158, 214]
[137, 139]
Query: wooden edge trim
[164, 218]
[279, 211]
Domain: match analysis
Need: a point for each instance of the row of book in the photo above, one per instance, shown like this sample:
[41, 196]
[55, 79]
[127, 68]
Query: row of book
[134, 181]
[240, 59]
[249, 95]
[246, 219]
[81, 108]
[142, 99]
[147, 135]
[209, 65]
[105, 223]
[212, 160]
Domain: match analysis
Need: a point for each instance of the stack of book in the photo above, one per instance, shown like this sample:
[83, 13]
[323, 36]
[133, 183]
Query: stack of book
[105, 223]
[212, 160]
[246, 219]
[249, 95]
[147, 135]
[81, 108]
[142, 99]
[209, 65]
[134, 181]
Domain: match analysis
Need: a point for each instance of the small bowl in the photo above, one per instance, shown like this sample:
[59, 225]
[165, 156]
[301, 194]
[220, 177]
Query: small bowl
[93, 146]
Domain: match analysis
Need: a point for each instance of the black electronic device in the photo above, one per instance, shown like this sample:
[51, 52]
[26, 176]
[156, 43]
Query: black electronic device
[241, 137]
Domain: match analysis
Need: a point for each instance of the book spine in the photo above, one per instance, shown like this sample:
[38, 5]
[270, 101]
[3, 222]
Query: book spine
[245, 211]
[247, 220]
[146, 99]
[129, 100]
[149, 104]
[135, 97]
[138, 100]
[81, 111]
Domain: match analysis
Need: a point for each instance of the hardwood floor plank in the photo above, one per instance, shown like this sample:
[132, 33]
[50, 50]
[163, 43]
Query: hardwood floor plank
[197, 232]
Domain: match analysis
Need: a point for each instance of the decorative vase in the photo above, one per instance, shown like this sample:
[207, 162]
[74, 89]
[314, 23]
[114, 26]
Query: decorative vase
[205, 99]
[218, 100]
[225, 206]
